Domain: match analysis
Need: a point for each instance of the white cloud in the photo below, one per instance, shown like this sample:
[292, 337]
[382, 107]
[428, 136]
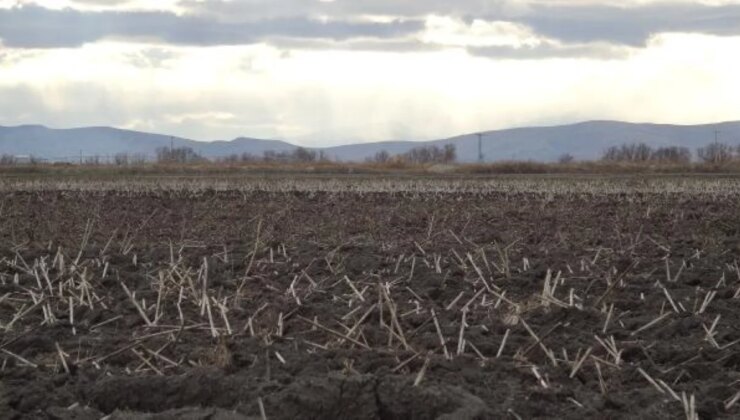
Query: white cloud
[458, 73]
[331, 97]
[98, 5]
[451, 31]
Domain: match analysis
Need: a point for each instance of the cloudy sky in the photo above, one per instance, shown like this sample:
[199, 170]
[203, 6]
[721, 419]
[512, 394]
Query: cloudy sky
[323, 72]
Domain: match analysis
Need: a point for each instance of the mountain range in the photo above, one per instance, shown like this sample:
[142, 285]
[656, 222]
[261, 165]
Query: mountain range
[584, 141]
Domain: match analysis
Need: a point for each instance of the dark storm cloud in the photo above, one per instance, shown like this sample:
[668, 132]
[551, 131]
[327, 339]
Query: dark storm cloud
[581, 23]
[582, 30]
[630, 26]
[37, 27]
[344, 8]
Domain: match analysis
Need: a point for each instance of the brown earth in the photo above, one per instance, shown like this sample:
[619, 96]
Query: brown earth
[319, 305]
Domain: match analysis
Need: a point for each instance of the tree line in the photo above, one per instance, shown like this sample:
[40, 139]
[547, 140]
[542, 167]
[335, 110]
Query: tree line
[714, 153]
[641, 152]
[418, 155]
[297, 155]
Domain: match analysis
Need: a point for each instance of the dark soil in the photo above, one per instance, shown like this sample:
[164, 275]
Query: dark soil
[319, 305]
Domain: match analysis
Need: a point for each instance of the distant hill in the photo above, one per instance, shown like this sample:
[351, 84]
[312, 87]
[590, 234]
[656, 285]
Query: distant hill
[585, 141]
[69, 144]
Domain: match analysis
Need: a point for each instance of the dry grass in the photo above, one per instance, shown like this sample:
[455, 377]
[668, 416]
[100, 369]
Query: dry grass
[395, 167]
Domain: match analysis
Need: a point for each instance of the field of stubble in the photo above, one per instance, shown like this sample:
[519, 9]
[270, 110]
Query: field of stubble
[370, 298]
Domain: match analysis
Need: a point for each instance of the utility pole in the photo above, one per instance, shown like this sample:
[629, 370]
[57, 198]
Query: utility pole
[716, 158]
[480, 147]
[171, 157]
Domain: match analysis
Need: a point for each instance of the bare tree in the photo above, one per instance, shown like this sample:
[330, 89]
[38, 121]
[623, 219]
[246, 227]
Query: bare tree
[566, 158]
[641, 152]
[431, 154]
[380, 157]
[178, 155]
[7, 160]
[672, 154]
[301, 154]
[611, 154]
[715, 153]
[634, 152]
[121, 159]
[450, 154]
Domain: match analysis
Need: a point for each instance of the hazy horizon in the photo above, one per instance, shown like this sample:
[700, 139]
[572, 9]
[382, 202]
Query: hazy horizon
[350, 143]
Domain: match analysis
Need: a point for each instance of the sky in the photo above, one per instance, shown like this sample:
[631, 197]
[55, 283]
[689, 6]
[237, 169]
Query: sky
[329, 72]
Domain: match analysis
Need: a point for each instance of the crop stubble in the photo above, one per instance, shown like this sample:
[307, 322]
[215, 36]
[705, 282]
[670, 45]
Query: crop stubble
[518, 298]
